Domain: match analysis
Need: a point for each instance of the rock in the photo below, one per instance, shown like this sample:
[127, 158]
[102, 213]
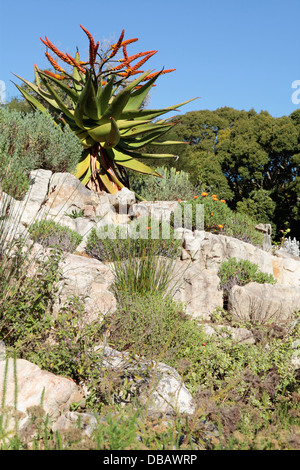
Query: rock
[35, 387]
[159, 209]
[263, 302]
[197, 288]
[154, 384]
[240, 335]
[90, 280]
[70, 420]
[286, 269]
[33, 204]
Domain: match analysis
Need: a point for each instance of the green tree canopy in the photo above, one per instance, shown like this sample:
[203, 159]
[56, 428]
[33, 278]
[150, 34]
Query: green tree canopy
[250, 159]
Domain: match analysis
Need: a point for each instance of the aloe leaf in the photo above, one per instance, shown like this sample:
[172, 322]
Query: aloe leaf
[113, 137]
[130, 163]
[79, 110]
[34, 103]
[39, 91]
[117, 105]
[138, 96]
[60, 103]
[104, 95]
[62, 86]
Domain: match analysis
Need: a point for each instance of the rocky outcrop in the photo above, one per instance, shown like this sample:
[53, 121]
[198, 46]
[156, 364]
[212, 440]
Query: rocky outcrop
[259, 303]
[88, 279]
[24, 385]
[153, 384]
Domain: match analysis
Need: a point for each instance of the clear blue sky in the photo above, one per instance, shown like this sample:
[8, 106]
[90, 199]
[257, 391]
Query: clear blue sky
[229, 52]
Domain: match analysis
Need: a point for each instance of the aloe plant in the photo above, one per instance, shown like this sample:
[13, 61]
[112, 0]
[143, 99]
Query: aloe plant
[106, 111]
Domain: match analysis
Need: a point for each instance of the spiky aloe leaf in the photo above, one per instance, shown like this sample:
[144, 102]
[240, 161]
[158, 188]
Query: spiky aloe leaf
[129, 162]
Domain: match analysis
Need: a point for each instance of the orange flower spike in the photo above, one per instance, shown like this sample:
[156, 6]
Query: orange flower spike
[223, 200]
[73, 62]
[214, 195]
[57, 51]
[152, 75]
[55, 75]
[117, 46]
[141, 62]
[203, 194]
[54, 63]
[195, 197]
[129, 41]
[221, 226]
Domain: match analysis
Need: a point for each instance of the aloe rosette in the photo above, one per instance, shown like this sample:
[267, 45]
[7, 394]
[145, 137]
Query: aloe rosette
[106, 111]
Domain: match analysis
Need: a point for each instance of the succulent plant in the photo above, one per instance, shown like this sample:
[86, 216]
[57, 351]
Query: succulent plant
[106, 111]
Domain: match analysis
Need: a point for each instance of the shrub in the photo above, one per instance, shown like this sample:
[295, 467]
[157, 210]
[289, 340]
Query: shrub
[33, 141]
[172, 186]
[233, 272]
[140, 264]
[115, 243]
[220, 219]
[51, 234]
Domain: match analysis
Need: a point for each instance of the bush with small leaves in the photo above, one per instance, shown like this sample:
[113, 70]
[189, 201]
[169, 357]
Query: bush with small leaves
[51, 234]
[33, 141]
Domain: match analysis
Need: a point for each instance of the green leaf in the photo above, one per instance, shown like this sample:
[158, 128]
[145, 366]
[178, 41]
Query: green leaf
[138, 96]
[104, 95]
[62, 86]
[113, 137]
[60, 103]
[130, 163]
[119, 102]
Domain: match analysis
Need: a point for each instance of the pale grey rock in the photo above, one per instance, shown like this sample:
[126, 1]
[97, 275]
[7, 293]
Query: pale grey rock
[36, 387]
[154, 384]
[90, 280]
[239, 335]
[263, 302]
[161, 210]
[198, 288]
[71, 419]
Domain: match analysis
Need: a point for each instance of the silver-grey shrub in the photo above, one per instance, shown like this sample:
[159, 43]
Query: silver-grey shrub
[33, 141]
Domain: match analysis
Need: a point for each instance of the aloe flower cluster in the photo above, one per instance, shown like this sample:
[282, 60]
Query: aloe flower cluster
[106, 111]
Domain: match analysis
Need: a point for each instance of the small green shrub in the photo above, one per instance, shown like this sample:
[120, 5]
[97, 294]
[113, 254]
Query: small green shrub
[172, 186]
[114, 243]
[233, 272]
[33, 141]
[140, 264]
[52, 234]
[220, 219]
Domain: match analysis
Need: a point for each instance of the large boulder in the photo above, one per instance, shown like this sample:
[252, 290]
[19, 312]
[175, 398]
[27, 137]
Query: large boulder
[24, 385]
[198, 288]
[263, 302]
[155, 385]
[90, 280]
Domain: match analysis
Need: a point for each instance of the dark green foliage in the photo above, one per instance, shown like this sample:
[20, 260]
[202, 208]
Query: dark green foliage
[50, 233]
[250, 159]
[234, 272]
[33, 141]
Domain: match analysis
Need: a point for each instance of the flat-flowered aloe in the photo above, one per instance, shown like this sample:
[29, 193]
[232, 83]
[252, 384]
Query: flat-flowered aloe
[106, 111]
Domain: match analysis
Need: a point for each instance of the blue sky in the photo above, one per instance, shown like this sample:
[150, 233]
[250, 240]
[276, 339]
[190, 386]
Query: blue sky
[229, 52]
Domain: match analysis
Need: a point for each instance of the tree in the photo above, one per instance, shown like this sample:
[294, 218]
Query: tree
[251, 159]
